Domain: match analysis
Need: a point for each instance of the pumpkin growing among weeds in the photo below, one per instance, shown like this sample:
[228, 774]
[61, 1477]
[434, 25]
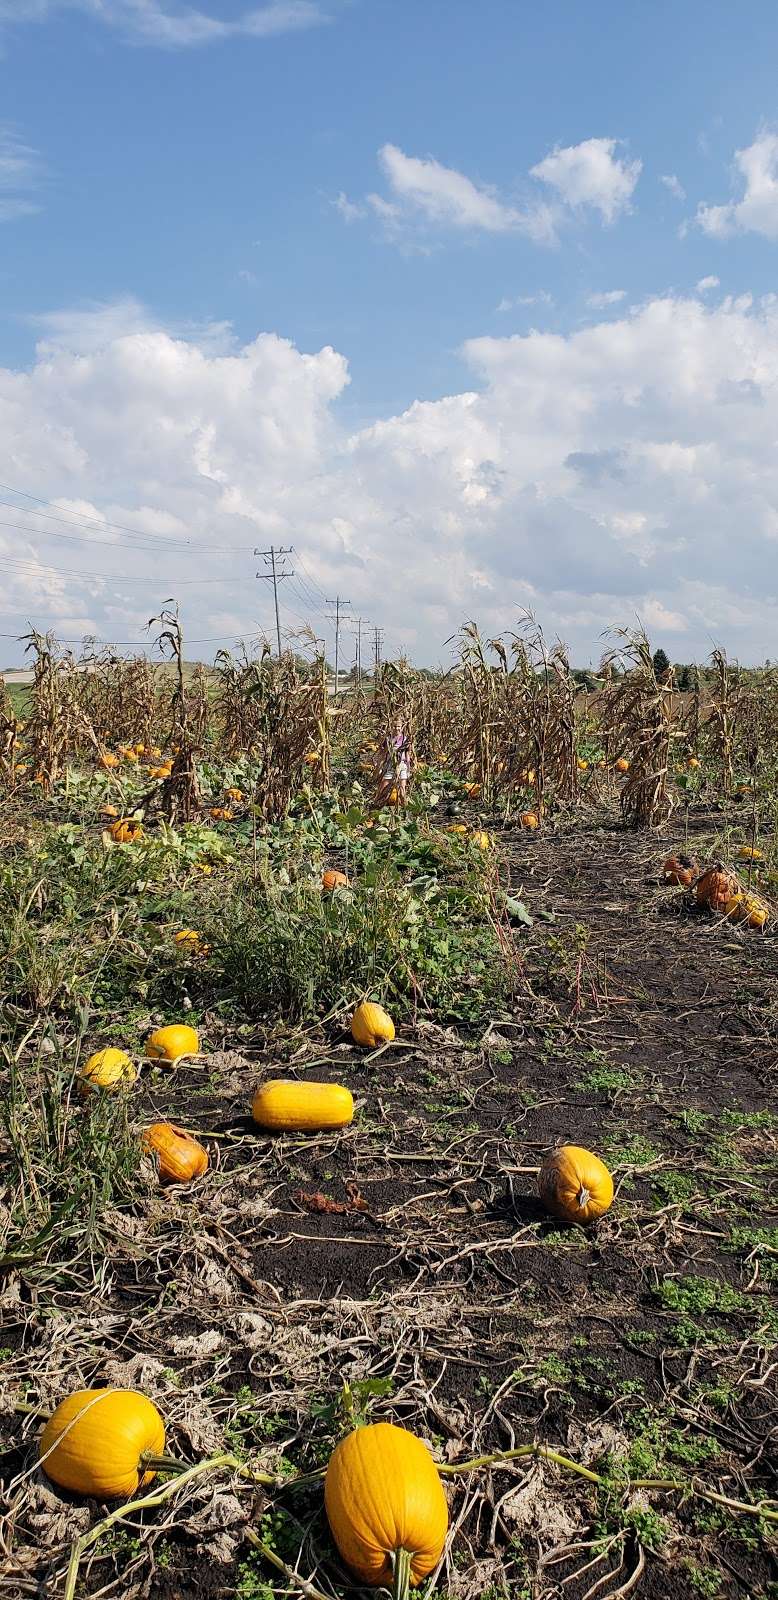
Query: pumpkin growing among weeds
[386, 1507]
[747, 908]
[128, 830]
[716, 887]
[574, 1184]
[180, 1157]
[371, 1025]
[331, 879]
[107, 1069]
[94, 1441]
[287, 1106]
[529, 819]
[172, 1042]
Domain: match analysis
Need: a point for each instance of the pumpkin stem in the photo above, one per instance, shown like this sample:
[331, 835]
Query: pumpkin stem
[584, 1197]
[401, 1575]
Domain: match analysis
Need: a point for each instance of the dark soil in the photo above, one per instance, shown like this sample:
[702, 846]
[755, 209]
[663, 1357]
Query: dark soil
[643, 1029]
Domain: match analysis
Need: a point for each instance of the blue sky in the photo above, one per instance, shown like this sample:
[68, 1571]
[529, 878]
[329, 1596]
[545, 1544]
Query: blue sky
[202, 176]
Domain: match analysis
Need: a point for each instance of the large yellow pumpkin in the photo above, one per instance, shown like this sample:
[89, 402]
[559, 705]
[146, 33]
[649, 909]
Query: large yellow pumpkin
[574, 1184]
[283, 1105]
[179, 1157]
[385, 1505]
[93, 1443]
[371, 1025]
[107, 1069]
[172, 1042]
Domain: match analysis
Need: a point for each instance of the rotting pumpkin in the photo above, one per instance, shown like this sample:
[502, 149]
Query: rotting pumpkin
[680, 870]
[284, 1105]
[180, 1157]
[127, 830]
[94, 1442]
[386, 1507]
[716, 886]
[574, 1184]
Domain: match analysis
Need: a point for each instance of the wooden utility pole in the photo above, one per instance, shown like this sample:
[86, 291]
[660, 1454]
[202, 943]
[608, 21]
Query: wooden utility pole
[275, 575]
[338, 603]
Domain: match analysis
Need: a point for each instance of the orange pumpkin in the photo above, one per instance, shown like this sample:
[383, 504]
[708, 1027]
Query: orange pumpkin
[622, 765]
[529, 819]
[574, 1184]
[334, 880]
[716, 887]
[386, 1507]
[128, 830]
[180, 1158]
[680, 869]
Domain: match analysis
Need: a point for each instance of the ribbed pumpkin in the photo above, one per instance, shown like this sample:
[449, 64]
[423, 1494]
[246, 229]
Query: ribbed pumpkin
[680, 869]
[331, 879]
[747, 908]
[128, 830]
[172, 1042]
[574, 1184]
[529, 819]
[180, 1158]
[93, 1443]
[386, 1507]
[107, 1069]
[284, 1106]
[716, 887]
[371, 1025]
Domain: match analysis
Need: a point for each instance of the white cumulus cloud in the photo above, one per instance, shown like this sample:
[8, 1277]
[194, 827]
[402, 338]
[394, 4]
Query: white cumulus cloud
[704, 285]
[757, 210]
[446, 196]
[591, 174]
[626, 467]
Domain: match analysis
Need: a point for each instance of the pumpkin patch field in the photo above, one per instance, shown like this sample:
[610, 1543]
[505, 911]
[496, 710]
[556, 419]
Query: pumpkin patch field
[388, 1185]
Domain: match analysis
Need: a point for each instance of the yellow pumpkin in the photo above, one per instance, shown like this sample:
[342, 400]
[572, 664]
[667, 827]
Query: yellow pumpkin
[221, 813]
[187, 936]
[109, 760]
[160, 772]
[284, 1105]
[574, 1184]
[456, 827]
[93, 1442]
[371, 1025]
[140, 749]
[333, 880]
[129, 755]
[107, 811]
[180, 1158]
[172, 1042]
[747, 908]
[583, 766]
[393, 797]
[107, 1069]
[692, 764]
[716, 887]
[386, 1507]
[311, 758]
[481, 840]
[472, 789]
[622, 765]
[128, 830]
[235, 794]
[529, 819]
[749, 852]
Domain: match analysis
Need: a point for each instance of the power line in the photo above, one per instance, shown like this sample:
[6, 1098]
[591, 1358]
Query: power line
[338, 603]
[34, 565]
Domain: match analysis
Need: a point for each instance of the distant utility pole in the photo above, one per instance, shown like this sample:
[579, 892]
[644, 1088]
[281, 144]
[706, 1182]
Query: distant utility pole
[276, 573]
[359, 621]
[338, 603]
[378, 637]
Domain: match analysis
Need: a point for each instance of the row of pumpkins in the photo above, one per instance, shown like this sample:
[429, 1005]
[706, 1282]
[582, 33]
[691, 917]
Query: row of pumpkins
[719, 888]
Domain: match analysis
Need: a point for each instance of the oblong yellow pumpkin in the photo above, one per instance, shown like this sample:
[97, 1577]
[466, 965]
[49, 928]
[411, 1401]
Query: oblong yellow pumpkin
[172, 1042]
[383, 1494]
[371, 1025]
[107, 1069]
[179, 1156]
[93, 1443]
[747, 908]
[285, 1106]
[574, 1184]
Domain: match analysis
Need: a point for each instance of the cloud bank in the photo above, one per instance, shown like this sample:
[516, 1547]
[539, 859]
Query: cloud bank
[627, 467]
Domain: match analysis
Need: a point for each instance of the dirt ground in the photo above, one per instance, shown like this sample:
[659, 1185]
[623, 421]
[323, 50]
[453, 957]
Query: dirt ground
[409, 1257]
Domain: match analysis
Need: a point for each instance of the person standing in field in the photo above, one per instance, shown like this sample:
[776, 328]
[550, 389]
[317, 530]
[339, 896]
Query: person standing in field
[394, 766]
